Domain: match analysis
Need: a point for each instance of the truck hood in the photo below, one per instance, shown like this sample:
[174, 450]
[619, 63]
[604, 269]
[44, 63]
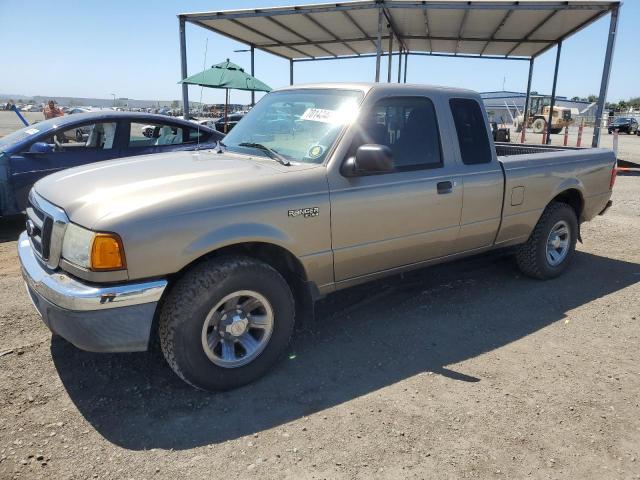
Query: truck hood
[169, 183]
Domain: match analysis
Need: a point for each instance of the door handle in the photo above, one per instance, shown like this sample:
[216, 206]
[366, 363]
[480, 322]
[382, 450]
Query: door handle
[445, 187]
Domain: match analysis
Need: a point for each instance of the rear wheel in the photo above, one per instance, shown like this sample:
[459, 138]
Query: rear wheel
[226, 322]
[552, 243]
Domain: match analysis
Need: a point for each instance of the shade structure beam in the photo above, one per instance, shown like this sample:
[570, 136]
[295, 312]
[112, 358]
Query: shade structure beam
[405, 37]
[392, 25]
[256, 32]
[330, 33]
[527, 100]
[553, 93]
[531, 32]
[417, 5]
[492, 38]
[420, 54]
[358, 27]
[461, 29]
[427, 29]
[390, 64]
[379, 44]
[606, 74]
[299, 35]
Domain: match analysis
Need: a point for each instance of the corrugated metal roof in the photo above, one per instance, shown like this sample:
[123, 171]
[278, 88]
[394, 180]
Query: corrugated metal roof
[488, 28]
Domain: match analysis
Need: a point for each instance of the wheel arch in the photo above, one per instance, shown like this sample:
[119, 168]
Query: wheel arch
[571, 195]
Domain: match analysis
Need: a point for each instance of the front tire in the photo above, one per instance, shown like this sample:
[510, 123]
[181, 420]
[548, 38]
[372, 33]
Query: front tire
[226, 322]
[552, 243]
[538, 125]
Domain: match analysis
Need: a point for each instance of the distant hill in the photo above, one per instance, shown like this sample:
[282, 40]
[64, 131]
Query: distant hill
[94, 102]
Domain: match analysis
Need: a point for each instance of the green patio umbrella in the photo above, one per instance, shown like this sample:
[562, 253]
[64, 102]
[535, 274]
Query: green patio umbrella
[227, 75]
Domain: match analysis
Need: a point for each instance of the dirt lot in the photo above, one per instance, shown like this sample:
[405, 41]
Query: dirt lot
[466, 370]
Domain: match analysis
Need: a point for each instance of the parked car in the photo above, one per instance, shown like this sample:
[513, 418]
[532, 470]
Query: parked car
[628, 125]
[216, 255]
[231, 121]
[52, 145]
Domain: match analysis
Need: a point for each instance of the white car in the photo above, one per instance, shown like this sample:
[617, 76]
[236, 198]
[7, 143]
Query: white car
[147, 130]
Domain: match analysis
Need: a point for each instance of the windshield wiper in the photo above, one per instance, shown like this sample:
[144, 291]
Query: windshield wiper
[271, 152]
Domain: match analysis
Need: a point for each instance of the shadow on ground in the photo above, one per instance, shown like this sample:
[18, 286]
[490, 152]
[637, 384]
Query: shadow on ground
[364, 339]
[11, 227]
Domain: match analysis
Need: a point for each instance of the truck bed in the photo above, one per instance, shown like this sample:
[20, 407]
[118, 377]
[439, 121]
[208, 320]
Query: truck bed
[511, 149]
[534, 175]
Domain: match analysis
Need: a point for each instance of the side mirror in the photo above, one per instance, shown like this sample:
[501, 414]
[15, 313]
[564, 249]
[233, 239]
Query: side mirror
[41, 147]
[370, 159]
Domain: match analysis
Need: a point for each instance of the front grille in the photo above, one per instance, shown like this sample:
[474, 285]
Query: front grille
[46, 226]
[40, 235]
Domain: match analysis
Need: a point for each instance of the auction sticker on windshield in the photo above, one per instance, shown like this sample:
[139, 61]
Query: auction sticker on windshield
[319, 115]
[31, 131]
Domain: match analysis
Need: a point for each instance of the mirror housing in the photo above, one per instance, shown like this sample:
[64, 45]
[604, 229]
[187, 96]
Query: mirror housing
[41, 147]
[370, 159]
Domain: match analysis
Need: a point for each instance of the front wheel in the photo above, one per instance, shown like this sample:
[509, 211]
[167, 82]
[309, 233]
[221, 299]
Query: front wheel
[538, 125]
[552, 243]
[226, 322]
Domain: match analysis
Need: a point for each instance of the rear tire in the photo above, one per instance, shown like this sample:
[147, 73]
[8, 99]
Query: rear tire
[552, 243]
[195, 316]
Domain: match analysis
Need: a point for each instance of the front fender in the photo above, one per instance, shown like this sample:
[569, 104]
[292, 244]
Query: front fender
[236, 234]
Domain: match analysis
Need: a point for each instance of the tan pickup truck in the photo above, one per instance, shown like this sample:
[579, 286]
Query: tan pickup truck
[320, 187]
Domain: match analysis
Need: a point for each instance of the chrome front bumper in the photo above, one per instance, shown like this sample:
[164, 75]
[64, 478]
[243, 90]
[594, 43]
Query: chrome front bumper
[103, 318]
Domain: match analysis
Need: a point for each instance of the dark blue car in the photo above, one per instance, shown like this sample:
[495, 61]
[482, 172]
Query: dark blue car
[46, 147]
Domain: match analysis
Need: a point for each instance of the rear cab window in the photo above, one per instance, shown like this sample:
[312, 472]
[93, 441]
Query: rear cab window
[471, 130]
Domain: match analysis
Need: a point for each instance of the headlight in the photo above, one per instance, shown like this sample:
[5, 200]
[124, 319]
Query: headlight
[95, 251]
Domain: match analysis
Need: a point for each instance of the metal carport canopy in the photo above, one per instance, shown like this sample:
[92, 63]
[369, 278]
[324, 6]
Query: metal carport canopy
[497, 29]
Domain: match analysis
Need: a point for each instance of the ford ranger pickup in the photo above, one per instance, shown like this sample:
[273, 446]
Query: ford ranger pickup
[214, 254]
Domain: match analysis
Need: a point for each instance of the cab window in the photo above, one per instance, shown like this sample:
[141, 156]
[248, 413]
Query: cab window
[408, 126]
[93, 136]
[155, 134]
[472, 131]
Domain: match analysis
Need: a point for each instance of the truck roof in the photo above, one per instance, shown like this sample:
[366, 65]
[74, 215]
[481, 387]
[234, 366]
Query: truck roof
[394, 87]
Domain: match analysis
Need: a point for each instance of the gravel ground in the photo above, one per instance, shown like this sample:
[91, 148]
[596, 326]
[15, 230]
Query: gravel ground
[466, 370]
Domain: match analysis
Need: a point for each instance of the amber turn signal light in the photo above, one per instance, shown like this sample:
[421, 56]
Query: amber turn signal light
[107, 252]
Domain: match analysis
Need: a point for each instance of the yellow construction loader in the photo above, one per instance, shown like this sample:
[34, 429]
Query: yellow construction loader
[539, 114]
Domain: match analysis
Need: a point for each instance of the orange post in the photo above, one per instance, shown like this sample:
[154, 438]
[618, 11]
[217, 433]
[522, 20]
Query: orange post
[566, 135]
[580, 128]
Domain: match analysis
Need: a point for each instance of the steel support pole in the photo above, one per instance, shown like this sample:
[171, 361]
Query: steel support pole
[291, 72]
[399, 64]
[606, 72]
[406, 63]
[183, 66]
[553, 93]
[527, 100]
[253, 74]
[379, 44]
[390, 55]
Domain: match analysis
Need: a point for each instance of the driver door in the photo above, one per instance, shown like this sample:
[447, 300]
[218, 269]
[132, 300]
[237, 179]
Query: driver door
[386, 221]
[79, 145]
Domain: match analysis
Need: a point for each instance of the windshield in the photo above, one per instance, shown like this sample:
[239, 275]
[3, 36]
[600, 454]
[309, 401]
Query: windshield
[623, 120]
[27, 132]
[299, 125]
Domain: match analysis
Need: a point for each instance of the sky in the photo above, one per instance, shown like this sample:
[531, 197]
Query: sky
[131, 49]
